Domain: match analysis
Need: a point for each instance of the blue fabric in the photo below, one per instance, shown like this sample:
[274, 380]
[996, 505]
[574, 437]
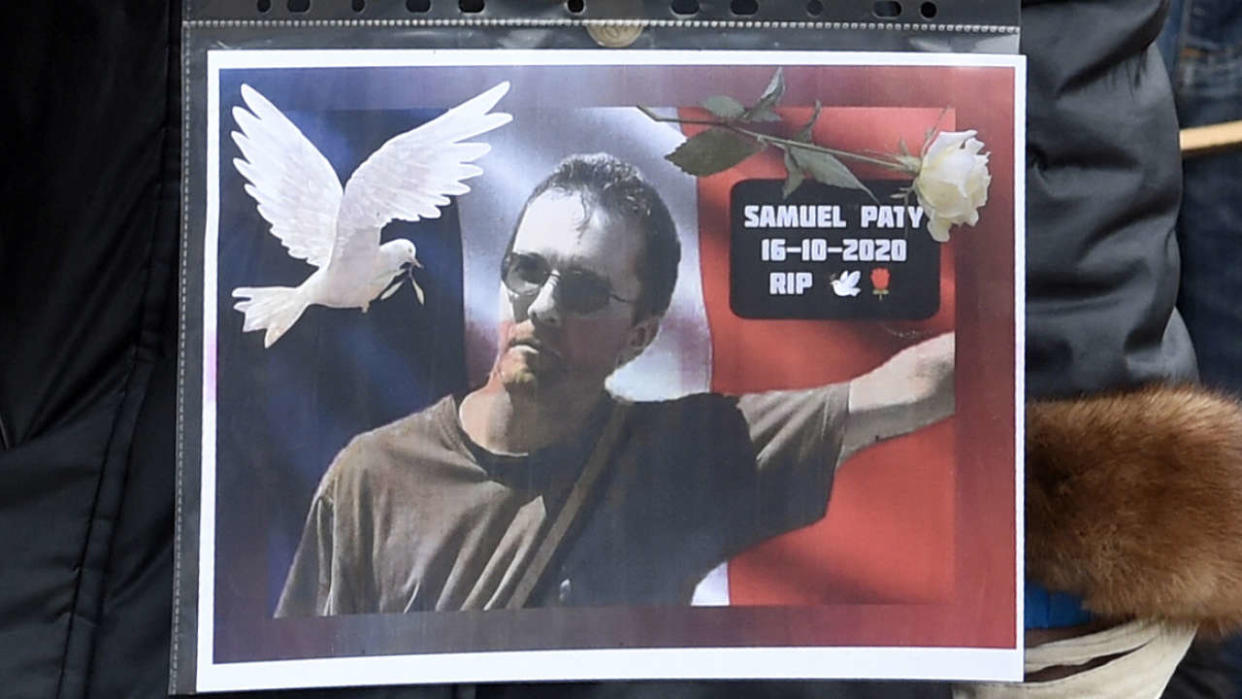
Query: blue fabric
[1052, 610]
[1202, 47]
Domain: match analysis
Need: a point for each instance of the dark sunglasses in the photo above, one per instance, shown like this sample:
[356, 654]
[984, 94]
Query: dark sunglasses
[577, 291]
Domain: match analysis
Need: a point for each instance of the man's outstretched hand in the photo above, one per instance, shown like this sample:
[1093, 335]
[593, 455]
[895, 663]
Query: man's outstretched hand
[911, 390]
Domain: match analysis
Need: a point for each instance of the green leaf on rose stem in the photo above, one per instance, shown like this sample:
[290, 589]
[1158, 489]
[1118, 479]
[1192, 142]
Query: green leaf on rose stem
[762, 110]
[794, 178]
[827, 169]
[712, 151]
[760, 114]
[804, 133]
[724, 107]
[773, 92]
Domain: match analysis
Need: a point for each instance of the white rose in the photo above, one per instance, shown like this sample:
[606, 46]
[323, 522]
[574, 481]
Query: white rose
[952, 181]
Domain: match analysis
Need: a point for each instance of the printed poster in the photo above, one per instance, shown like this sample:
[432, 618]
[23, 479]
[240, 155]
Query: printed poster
[554, 365]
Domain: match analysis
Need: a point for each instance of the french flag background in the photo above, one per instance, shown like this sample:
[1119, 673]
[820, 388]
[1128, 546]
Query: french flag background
[889, 533]
[910, 551]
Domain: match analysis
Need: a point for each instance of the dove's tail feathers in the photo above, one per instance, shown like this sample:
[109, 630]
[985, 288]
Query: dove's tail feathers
[271, 308]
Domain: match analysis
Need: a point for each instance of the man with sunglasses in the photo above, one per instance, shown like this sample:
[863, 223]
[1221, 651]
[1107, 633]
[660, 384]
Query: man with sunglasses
[540, 488]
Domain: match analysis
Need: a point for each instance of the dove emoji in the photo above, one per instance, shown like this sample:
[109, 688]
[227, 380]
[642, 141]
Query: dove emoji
[846, 284]
[338, 230]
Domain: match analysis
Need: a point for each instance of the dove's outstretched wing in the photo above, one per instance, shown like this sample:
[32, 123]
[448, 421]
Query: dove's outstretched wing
[851, 278]
[296, 188]
[412, 175]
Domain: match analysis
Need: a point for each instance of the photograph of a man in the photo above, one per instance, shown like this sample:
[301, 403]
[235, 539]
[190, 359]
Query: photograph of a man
[540, 488]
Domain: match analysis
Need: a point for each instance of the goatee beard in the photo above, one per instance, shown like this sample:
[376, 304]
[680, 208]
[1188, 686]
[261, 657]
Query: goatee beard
[517, 376]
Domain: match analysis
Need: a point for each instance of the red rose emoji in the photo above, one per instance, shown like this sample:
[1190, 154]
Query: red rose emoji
[879, 280]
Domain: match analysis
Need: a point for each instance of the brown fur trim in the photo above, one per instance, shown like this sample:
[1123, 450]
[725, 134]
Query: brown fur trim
[1134, 502]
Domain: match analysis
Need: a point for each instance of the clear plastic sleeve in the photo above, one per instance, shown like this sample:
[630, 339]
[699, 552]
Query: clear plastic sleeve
[843, 180]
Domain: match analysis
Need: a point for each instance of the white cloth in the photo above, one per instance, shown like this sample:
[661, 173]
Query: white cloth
[1147, 653]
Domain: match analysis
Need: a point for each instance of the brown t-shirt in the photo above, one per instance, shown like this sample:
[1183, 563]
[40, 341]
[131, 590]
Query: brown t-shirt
[414, 516]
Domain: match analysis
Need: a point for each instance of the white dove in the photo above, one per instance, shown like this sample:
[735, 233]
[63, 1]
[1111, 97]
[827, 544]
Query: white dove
[846, 284]
[408, 178]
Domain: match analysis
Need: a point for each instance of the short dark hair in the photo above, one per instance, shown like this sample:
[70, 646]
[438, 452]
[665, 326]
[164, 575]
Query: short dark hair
[619, 188]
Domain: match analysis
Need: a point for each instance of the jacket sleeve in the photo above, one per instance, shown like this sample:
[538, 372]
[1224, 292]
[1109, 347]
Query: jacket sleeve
[1103, 187]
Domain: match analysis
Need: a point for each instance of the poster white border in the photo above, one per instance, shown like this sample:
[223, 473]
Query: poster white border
[565, 665]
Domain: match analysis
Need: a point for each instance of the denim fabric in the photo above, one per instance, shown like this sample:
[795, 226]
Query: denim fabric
[1202, 47]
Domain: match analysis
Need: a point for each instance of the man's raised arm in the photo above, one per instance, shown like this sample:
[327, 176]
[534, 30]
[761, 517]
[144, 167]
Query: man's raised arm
[911, 390]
